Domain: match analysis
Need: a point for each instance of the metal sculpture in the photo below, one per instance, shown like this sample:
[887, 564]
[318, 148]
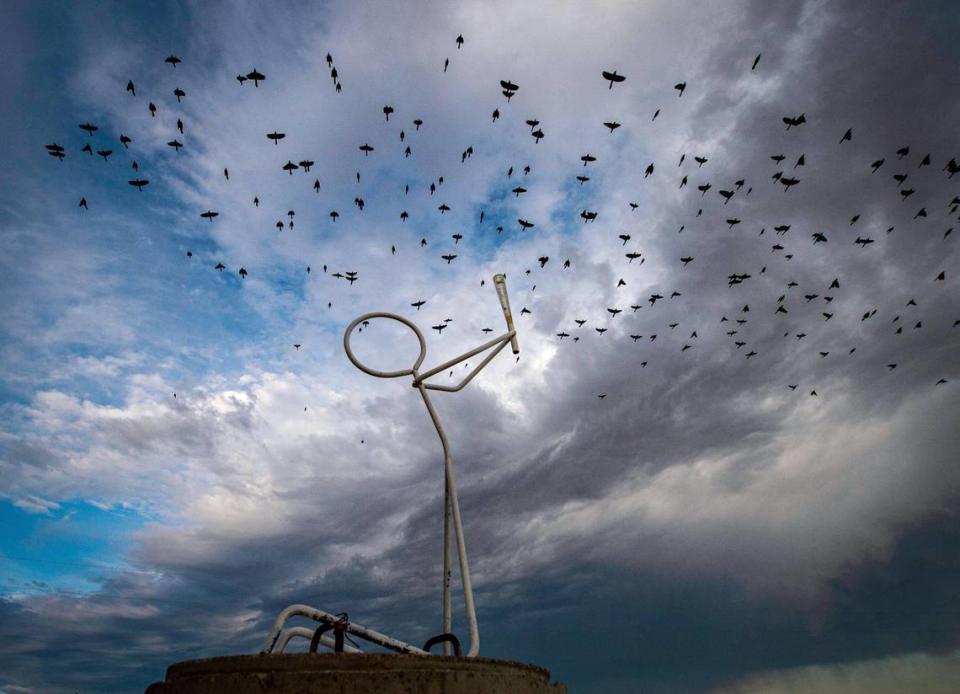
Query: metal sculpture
[340, 624]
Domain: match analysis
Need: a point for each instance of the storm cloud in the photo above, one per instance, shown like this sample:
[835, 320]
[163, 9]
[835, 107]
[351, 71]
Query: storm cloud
[702, 527]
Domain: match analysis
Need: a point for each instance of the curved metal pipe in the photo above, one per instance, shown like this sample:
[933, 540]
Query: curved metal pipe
[304, 633]
[316, 615]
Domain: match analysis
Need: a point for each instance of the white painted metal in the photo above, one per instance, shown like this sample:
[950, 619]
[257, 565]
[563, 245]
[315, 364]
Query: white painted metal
[500, 282]
[451, 500]
[451, 503]
[304, 633]
[271, 644]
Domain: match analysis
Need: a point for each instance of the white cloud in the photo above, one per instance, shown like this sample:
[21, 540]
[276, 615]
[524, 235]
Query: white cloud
[699, 464]
[34, 504]
[914, 672]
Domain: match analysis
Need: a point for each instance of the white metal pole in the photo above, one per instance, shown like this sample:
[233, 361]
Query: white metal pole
[457, 528]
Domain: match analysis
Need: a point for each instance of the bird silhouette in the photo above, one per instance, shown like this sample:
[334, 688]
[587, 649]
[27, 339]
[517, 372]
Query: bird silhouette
[612, 78]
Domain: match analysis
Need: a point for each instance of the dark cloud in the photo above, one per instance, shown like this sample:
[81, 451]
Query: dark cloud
[700, 524]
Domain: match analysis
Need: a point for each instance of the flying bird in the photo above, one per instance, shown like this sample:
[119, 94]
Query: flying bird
[795, 120]
[612, 77]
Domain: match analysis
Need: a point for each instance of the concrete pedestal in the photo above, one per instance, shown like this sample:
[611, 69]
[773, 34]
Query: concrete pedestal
[348, 673]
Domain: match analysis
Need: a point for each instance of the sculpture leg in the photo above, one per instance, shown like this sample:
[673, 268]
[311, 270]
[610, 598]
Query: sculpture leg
[447, 514]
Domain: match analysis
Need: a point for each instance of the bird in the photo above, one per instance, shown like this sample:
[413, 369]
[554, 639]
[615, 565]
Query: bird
[612, 78]
[795, 121]
[56, 150]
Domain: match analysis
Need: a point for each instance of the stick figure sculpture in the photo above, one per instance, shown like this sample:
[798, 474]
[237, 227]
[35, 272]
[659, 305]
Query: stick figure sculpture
[339, 623]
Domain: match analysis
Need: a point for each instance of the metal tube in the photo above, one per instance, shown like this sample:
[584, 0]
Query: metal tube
[374, 372]
[457, 527]
[456, 360]
[453, 389]
[500, 282]
[447, 617]
[326, 618]
[304, 633]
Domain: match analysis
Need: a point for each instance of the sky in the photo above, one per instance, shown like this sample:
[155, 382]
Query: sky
[174, 472]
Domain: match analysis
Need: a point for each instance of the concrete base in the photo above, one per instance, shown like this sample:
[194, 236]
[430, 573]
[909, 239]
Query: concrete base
[350, 673]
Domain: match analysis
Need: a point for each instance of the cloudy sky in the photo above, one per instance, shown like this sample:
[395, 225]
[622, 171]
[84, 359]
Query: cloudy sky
[703, 527]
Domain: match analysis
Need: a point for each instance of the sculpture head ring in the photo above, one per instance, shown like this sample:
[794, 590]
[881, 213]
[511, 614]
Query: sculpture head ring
[384, 374]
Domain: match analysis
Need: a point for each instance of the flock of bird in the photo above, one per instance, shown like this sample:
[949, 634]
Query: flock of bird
[735, 327]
